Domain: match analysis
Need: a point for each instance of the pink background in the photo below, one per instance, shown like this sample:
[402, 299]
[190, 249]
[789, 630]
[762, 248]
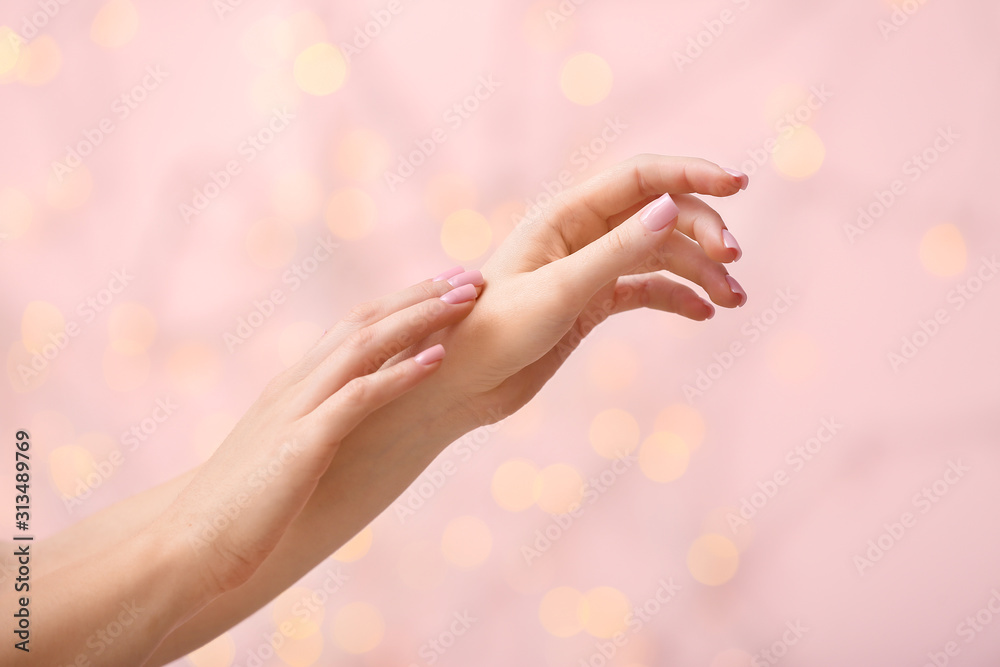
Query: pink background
[856, 295]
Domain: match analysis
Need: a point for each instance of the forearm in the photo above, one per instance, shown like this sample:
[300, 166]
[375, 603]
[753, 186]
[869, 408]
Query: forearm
[119, 522]
[111, 608]
[374, 465]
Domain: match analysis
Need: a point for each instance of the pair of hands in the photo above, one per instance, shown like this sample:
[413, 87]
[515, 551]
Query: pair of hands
[596, 251]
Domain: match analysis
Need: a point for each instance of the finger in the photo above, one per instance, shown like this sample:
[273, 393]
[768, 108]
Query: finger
[702, 223]
[337, 416]
[685, 258]
[368, 313]
[367, 349]
[657, 291]
[617, 252]
[646, 177]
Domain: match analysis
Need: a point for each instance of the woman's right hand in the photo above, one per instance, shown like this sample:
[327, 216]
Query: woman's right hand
[599, 249]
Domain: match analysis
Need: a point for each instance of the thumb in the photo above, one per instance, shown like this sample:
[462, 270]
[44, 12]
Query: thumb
[622, 249]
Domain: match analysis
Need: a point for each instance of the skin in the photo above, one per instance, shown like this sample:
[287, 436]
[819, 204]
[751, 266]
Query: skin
[350, 426]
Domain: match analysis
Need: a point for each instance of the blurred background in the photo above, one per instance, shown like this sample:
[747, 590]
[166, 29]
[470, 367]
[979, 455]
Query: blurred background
[190, 194]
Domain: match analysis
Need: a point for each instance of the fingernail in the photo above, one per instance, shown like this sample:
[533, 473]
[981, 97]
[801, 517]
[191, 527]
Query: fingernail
[711, 309]
[430, 355]
[460, 294]
[735, 287]
[658, 214]
[449, 273]
[467, 278]
[744, 179]
[729, 241]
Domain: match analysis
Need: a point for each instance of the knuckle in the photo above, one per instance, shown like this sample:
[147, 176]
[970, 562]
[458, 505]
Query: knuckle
[363, 313]
[356, 393]
[361, 339]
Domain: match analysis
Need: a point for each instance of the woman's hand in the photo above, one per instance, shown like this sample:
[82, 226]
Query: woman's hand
[238, 506]
[596, 251]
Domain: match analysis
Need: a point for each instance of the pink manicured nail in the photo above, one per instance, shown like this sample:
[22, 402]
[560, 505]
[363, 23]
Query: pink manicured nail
[729, 241]
[467, 278]
[460, 294]
[744, 179]
[430, 355]
[658, 214]
[449, 273]
[735, 286]
[711, 309]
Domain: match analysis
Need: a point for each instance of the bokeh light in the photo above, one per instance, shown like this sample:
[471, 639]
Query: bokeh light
[614, 433]
[516, 485]
[942, 251]
[663, 456]
[465, 235]
[299, 611]
[561, 488]
[355, 548]
[605, 611]
[320, 69]
[39, 62]
[115, 24]
[713, 559]
[358, 627]
[800, 153]
[683, 420]
[586, 79]
[43, 326]
[561, 611]
[16, 213]
[69, 191]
